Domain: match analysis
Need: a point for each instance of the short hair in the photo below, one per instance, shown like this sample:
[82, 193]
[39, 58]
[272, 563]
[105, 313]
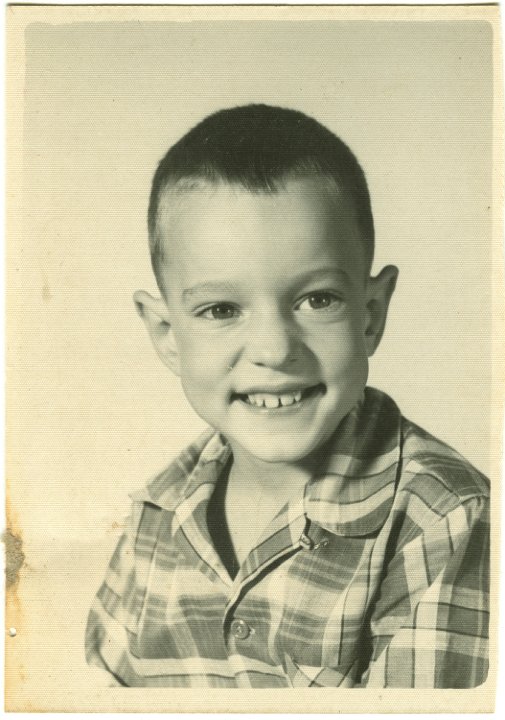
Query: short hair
[258, 147]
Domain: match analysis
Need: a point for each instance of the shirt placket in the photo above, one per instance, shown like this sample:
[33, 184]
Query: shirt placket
[281, 540]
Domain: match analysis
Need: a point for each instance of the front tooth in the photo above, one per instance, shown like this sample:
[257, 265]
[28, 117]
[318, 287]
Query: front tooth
[271, 401]
[287, 399]
[297, 396]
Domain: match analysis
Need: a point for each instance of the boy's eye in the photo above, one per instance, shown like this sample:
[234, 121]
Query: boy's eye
[219, 311]
[320, 301]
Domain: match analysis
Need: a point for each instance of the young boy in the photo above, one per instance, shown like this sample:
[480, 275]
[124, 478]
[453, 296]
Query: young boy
[313, 536]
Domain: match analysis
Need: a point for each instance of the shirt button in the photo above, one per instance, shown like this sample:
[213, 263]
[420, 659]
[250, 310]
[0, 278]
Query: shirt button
[240, 629]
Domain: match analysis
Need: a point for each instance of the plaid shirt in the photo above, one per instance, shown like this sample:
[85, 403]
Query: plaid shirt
[376, 577]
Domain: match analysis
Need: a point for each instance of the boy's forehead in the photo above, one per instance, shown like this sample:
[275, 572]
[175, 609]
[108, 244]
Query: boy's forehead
[304, 217]
[311, 201]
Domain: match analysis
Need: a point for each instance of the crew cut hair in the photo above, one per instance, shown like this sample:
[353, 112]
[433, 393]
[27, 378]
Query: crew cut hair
[258, 147]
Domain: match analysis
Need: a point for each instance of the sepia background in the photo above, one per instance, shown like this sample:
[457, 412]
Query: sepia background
[94, 414]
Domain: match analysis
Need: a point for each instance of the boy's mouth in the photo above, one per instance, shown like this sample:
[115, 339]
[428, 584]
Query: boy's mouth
[272, 401]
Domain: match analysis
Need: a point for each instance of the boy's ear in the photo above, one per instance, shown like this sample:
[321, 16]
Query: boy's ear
[379, 292]
[156, 316]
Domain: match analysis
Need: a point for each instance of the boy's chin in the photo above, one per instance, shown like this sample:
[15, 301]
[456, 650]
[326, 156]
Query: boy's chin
[268, 451]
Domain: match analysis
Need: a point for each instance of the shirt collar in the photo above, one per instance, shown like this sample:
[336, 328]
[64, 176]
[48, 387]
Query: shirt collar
[353, 491]
[351, 494]
[198, 464]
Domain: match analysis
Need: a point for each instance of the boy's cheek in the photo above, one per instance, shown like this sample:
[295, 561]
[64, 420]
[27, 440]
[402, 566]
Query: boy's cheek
[198, 353]
[341, 352]
[204, 367]
[349, 373]
[202, 375]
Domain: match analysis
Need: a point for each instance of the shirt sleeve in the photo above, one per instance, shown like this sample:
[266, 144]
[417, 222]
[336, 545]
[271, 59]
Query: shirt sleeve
[430, 622]
[112, 616]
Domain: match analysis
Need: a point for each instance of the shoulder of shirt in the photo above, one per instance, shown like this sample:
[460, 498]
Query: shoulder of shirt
[436, 473]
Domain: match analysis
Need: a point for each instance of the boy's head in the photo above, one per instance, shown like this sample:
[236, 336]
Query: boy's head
[257, 148]
[261, 237]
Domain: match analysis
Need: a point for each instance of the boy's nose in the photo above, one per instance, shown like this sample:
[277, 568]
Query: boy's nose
[270, 341]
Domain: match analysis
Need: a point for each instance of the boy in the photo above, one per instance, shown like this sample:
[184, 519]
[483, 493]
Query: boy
[313, 536]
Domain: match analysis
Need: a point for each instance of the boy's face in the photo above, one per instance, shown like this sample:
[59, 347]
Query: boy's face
[268, 317]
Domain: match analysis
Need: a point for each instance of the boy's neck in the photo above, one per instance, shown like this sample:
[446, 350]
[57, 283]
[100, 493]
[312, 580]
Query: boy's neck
[280, 479]
[256, 492]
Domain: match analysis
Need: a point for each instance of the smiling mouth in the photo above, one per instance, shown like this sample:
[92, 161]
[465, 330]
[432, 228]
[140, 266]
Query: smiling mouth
[273, 401]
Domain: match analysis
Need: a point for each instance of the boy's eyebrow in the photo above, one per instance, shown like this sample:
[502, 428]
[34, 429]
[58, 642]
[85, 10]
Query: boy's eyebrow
[224, 287]
[207, 287]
